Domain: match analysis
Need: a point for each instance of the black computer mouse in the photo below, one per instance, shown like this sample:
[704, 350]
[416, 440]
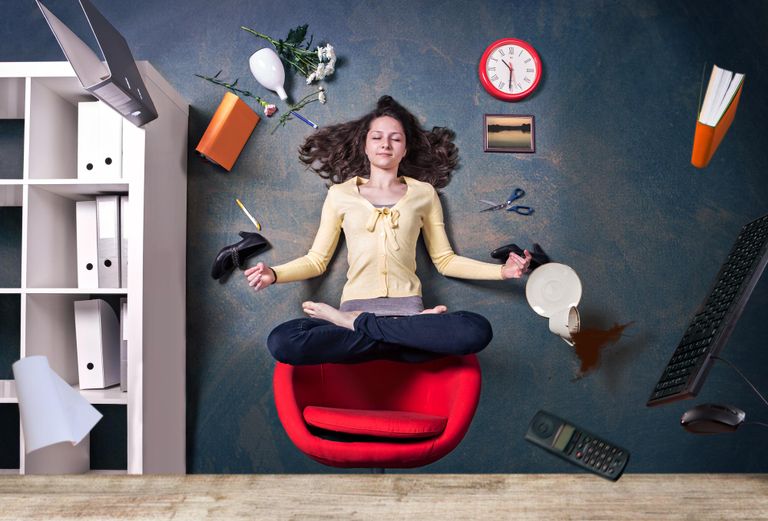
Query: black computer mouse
[712, 418]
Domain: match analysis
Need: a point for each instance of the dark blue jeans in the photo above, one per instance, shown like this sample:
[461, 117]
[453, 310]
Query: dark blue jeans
[415, 338]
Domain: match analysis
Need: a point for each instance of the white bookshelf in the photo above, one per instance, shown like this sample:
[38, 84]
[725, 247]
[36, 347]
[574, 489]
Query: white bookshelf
[45, 95]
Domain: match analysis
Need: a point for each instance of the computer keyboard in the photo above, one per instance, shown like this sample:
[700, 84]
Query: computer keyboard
[715, 319]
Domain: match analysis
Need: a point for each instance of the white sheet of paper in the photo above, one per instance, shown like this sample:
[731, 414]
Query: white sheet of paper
[51, 410]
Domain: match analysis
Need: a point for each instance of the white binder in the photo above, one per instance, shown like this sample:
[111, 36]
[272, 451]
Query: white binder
[99, 141]
[123, 241]
[97, 333]
[108, 242]
[87, 255]
[124, 344]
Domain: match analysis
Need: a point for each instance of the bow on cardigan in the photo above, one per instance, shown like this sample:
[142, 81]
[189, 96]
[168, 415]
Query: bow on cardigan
[389, 219]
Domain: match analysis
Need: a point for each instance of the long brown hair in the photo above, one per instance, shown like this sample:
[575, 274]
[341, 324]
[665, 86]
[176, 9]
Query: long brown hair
[337, 152]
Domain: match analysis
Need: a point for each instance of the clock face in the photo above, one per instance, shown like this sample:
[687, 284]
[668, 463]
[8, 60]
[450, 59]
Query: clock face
[510, 69]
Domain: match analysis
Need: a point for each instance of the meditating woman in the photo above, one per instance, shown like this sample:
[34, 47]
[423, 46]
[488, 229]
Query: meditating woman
[384, 169]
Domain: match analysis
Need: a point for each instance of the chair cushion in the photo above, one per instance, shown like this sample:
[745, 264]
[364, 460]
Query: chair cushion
[387, 424]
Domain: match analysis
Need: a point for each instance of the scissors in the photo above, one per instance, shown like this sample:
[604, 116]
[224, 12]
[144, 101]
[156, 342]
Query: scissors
[516, 194]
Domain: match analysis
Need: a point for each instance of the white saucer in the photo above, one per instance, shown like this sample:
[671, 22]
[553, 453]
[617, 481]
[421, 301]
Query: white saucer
[552, 287]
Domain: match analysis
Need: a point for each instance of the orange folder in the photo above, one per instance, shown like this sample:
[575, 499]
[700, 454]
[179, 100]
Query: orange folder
[707, 138]
[229, 130]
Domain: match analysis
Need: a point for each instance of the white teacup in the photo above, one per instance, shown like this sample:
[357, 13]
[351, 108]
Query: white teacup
[565, 323]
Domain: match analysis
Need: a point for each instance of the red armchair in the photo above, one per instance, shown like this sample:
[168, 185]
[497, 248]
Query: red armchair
[382, 413]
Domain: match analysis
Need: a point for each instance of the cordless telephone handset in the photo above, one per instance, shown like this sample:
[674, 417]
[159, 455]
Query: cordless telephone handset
[577, 446]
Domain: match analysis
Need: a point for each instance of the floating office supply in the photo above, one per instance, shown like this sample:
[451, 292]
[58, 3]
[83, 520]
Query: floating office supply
[97, 333]
[229, 130]
[577, 446]
[116, 80]
[99, 141]
[713, 322]
[51, 411]
[108, 240]
[716, 115]
[256, 223]
[87, 251]
[712, 418]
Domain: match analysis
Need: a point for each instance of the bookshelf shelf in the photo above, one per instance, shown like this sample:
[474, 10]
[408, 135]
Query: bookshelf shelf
[79, 190]
[42, 194]
[76, 291]
[109, 396]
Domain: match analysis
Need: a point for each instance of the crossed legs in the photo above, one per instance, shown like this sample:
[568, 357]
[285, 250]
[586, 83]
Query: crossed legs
[334, 336]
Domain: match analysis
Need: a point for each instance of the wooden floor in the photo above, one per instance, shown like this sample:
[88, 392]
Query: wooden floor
[393, 497]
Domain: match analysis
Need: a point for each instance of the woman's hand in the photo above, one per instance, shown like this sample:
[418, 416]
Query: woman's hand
[260, 276]
[516, 265]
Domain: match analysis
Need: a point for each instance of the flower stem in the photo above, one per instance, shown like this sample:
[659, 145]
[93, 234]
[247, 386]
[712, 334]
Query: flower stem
[303, 60]
[269, 39]
[231, 86]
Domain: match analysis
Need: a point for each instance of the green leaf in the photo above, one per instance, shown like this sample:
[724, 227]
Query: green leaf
[297, 35]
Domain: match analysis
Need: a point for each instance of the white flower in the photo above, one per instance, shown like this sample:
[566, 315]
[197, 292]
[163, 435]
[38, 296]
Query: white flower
[321, 97]
[311, 78]
[269, 110]
[330, 53]
[326, 53]
[320, 72]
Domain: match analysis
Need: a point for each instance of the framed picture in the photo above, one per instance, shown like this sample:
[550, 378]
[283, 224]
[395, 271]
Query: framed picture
[509, 133]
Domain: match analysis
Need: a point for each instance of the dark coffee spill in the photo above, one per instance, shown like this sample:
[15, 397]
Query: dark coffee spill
[588, 343]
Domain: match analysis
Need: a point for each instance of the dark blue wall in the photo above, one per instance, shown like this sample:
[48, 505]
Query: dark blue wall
[615, 198]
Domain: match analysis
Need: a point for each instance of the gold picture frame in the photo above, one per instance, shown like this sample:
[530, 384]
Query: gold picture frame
[509, 133]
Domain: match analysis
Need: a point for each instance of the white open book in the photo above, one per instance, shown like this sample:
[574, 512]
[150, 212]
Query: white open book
[721, 90]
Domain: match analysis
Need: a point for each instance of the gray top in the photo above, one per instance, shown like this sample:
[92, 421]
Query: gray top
[385, 306]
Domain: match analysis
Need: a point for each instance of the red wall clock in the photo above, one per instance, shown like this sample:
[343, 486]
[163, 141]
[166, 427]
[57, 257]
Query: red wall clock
[510, 69]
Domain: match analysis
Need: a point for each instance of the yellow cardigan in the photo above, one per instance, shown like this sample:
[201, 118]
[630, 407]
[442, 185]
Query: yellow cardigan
[381, 243]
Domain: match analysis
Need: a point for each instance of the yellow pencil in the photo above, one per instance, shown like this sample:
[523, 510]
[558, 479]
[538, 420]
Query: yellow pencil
[254, 221]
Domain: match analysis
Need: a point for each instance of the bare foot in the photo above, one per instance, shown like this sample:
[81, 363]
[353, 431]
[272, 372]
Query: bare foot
[435, 310]
[323, 311]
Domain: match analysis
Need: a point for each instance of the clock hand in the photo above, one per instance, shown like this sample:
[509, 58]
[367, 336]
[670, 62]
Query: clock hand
[511, 73]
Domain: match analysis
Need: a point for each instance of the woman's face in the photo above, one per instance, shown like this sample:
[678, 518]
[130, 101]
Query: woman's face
[385, 143]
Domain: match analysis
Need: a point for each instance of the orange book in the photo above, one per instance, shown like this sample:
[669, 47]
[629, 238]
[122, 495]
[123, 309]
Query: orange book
[723, 94]
[229, 130]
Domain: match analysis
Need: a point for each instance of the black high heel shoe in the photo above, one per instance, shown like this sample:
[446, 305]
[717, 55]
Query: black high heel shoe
[235, 255]
[538, 257]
